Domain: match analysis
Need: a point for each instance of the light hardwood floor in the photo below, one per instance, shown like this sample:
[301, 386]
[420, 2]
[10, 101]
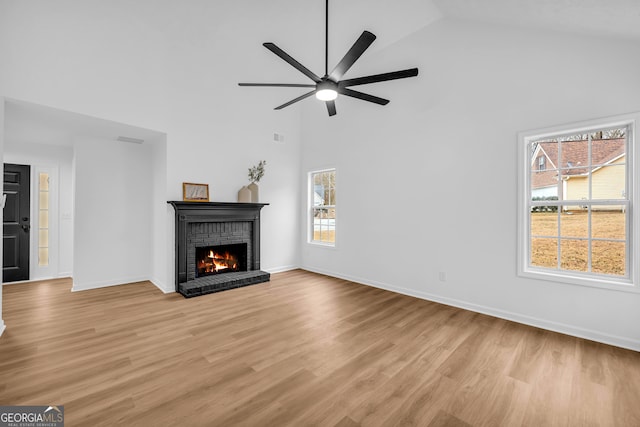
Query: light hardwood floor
[304, 349]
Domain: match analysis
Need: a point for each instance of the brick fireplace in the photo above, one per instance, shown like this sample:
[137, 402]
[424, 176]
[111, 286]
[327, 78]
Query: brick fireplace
[217, 246]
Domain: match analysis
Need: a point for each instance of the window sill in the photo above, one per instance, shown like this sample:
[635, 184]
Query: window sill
[322, 245]
[592, 281]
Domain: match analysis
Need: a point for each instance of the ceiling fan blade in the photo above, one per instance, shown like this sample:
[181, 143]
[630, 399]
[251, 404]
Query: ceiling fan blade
[411, 72]
[331, 107]
[363, 96]
[275, 85]
[300, 98]
[358, 48]
[295, 64]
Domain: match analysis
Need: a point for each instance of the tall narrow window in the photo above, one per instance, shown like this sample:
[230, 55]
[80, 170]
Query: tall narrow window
[576, 215]
[43, 219]
[322, 200]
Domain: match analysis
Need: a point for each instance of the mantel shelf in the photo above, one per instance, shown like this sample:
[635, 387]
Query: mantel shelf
[179, 204]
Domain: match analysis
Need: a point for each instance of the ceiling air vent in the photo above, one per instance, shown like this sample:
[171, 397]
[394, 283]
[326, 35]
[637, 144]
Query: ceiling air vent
[129, 139]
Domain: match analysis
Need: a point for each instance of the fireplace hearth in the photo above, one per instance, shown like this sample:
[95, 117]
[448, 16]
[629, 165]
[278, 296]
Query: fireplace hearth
[217, 246]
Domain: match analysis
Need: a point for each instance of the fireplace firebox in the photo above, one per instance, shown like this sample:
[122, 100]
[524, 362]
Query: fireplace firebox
[217, 246]
[221, 259]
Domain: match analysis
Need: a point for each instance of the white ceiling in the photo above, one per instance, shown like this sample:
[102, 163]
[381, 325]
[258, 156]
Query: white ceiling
[620, 18]
[278, 20]
[297, 26]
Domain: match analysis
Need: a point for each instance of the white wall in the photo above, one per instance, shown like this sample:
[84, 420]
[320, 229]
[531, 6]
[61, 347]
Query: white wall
[113, 213]
[427, 160]
[173, 67]
[61, 157]
[159, 274]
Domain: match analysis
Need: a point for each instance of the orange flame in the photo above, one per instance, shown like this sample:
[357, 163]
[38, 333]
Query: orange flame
[219, 261]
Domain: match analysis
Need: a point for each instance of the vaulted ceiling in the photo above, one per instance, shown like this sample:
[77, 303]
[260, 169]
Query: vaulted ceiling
[620, 18]
[298, 27]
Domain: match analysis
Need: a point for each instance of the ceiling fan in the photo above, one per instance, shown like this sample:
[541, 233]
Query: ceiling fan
[328, 87]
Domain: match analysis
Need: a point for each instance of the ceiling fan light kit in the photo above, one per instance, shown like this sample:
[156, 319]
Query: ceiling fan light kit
[328, 87]
[326, 90]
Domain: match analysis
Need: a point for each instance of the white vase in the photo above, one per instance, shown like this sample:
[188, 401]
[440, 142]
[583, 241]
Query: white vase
[244, 195]
[255, 193]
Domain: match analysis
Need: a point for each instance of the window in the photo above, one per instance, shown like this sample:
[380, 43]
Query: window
[43, 219]
[541, 163]
[576, 206]
[322, 201]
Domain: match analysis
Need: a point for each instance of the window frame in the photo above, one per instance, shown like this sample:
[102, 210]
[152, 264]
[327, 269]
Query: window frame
[628, 283]
[311, 208]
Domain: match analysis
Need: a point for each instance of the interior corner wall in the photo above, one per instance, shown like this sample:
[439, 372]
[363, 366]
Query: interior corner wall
[427, 184]
[159, 274]
[113, 241]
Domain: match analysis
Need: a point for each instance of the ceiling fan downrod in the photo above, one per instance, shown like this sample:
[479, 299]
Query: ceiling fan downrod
[328, 87]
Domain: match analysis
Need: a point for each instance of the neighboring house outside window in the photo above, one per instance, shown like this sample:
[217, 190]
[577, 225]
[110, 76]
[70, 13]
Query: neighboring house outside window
[575, 221]
[322, 212]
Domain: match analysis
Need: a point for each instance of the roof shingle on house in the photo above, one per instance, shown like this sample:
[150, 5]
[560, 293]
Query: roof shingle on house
[575, 158]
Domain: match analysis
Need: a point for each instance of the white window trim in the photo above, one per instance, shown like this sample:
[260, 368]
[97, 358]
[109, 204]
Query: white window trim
[625, 284]
[309, 209]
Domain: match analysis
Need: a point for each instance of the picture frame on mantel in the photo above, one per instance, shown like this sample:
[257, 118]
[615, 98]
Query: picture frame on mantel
[195, 192]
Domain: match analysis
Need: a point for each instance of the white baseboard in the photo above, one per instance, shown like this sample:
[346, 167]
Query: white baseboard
[65, 275]
[18, 282]
[2, 327]
[562, 328]
[275, 270]
[41, 279]
[160, 285]
[106, 283]
[37, 279]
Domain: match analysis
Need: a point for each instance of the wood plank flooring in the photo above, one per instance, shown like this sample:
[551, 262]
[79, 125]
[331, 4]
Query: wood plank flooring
[301, 350]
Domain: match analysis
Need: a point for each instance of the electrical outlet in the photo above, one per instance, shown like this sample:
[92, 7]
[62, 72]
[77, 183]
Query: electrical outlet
[442, 276]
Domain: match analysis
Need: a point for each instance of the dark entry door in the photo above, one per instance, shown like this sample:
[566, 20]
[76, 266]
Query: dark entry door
[15, 241]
